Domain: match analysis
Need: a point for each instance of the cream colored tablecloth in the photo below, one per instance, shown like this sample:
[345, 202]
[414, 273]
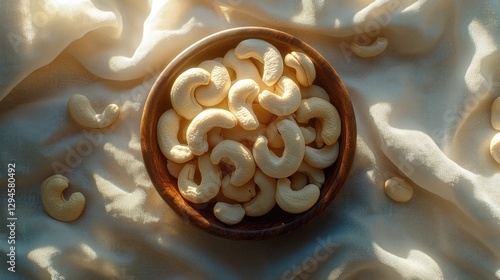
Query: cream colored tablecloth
[422, 109]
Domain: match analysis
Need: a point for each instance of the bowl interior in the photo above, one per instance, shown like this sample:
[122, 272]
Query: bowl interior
[276, 222]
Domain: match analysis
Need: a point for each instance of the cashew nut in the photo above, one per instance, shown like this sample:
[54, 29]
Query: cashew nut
[210, 180]
[315, 175]
[240, 156]
[323, 110]
[321, 158]
[265, 199]
[295, 201]
[182, 94]
[54, 202]
[243, 68]
[81, 111]
[284, 104]
[372, 50]
[229, 214]
[495, 114]
[168, 129]
[293, 153]
[495, 147]
[241, 96]
[220, 82]
[237, 193]
[304, 67]
[202, 123]
[266, 54]
[314, 91]
[398, 189]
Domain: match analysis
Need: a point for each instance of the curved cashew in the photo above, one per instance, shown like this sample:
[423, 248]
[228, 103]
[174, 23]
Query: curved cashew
[237, 193]
[315, 107]
[240, 156]
[372, 50]
[243, 68]
[398, 189]
[495, 114]
[273, 136]
[220, 82]
[266, 54]
[322, 158]
[202, 123]
[304, 67]
[81, 112]
[293, 153]
[265, 199]
[168, 129]
[210, 180]
[54, 202]
[229, 214]
[182, 94]
[495, 147]
[241, 96]
[315, 91]
[296, 201]
[283, 105]
[315, 175]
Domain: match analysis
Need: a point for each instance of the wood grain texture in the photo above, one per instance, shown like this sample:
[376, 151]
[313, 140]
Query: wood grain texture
[276, 222]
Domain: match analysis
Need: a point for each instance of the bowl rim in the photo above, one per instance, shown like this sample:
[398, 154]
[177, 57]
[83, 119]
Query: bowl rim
[190, 212]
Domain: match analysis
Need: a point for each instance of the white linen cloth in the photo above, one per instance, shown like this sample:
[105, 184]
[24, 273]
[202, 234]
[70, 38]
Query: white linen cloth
[422, 110]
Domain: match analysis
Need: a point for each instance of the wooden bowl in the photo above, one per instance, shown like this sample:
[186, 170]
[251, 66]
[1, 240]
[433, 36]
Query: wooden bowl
[277, 221]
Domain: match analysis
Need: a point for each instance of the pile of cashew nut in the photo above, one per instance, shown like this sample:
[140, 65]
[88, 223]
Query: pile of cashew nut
[250, 130]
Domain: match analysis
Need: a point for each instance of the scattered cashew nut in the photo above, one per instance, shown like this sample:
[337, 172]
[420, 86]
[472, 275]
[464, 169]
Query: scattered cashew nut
[168, 129]
[240, 156]
[202, 123]
[304, 67]
[229, 214]
[240, 98]
[372, 50]
[296, 201]
[266, 54]
[54, 202]
[495, 147]
[293, 154]
[398, 189]
[182, 94]
[210, 180]
[81, 112]
[315, 107]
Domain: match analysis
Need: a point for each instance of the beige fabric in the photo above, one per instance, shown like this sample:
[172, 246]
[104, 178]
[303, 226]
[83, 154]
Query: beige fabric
[422, 109]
